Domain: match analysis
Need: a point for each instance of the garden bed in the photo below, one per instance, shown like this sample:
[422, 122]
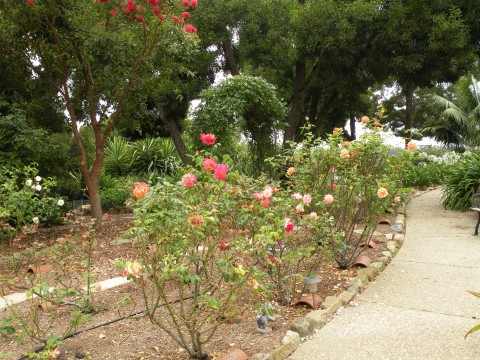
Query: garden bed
[136, 337]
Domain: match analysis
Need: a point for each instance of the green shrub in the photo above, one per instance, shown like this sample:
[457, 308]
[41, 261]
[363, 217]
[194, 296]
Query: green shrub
[151, 157]
[114, 192]
[25, 199]
[461, 182]
[154, 155]
[118, 157]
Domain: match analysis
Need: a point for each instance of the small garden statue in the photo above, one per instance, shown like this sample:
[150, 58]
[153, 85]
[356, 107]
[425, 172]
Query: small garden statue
[264, 317]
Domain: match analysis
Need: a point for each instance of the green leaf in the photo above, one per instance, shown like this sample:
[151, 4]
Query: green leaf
[472, 330]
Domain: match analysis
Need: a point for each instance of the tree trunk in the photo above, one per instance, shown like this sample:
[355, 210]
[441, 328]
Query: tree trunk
[93, 190]
[177, 139]
[296, 107]
[312, 113]
[229, 58]
[409, 114]
[324, 111]
[353, 130]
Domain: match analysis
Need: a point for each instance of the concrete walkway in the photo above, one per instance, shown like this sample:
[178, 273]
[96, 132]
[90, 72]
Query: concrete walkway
[418, 307]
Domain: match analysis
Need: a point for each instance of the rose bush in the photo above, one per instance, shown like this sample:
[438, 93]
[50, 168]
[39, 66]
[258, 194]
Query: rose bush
[190, 242]
[25, 200]
[353, 184]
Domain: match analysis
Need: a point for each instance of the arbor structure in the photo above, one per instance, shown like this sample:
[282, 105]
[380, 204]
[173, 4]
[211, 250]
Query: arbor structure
[242, 106]
[91, 53]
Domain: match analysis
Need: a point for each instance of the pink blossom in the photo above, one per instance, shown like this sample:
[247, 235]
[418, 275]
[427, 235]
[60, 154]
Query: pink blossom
[328, 199]
[132, 268]
[307, 199]
[253, 283]
[258, 196]
[208, 139]
[289, 225]
[186, 15]
[297, 196]
[365, 119]
[313, 215]
[299, 208]
[189, 180]
[209, 164]
[267, 191]
[190, 28]
[194, 3]
[265, 202]
[186, 3]
[220, 171]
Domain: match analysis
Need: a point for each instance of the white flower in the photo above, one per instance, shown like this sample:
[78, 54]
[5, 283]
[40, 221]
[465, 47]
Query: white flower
[34, 187]
[38, 178]
[28, 182]
[36, 220]
[38, 187]
[60, 202]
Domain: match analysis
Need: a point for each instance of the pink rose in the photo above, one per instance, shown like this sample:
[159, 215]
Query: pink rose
[265, 202]
[313, 215]
[299, 208]
[209, 164]
[132, 268]
[289, 225]
[189, 180]
[328, 199]
[207, 139]
[297, 196]
[365, 119]
[307, 199]
[258, 196]
[221, 171]
[267, 191]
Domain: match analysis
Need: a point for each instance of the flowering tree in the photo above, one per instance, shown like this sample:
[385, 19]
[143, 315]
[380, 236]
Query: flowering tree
[91, 52]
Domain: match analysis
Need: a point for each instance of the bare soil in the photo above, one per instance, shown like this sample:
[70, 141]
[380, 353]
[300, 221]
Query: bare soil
[135, 337]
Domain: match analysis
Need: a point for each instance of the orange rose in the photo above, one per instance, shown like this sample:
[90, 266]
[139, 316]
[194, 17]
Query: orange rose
[411, 146]
[140, 190]
[382, 193]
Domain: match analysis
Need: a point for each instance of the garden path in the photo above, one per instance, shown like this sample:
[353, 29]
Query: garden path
[418, 308]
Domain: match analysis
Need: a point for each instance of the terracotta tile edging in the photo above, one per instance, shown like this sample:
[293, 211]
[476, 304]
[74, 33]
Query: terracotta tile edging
[316, 319]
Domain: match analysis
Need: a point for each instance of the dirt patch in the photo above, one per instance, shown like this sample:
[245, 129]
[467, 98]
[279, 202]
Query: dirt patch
[136, 337]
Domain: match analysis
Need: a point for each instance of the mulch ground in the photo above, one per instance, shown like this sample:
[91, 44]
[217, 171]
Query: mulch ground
[136, 337]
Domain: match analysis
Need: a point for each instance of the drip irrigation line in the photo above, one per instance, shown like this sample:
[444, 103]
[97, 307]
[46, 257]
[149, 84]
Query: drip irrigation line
[41, 348]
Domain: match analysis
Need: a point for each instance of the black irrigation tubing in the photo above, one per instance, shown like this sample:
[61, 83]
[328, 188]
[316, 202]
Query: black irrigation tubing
[41, 348]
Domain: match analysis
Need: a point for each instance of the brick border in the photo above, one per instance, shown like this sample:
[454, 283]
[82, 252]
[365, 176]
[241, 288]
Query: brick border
[316, 319]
